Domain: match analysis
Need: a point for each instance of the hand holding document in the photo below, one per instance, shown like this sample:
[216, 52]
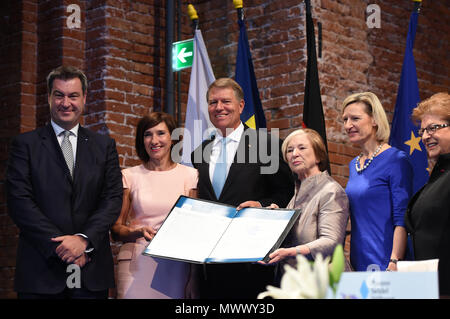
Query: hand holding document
[201, 231]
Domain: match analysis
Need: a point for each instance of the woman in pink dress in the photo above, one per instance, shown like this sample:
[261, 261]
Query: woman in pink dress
[150, 191]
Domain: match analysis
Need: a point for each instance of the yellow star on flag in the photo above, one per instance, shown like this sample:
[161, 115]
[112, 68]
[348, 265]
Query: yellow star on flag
[413, 143]
[251, 122]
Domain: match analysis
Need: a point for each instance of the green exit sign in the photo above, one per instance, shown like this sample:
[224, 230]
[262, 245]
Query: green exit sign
[182, 54]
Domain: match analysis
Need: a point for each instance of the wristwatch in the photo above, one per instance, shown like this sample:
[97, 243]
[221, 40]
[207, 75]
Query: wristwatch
[393, 260]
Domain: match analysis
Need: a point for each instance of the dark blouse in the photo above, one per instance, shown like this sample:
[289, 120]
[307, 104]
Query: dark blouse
[427, 220]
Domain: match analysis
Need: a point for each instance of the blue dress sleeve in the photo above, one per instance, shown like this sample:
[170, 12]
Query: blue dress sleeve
[401, 186]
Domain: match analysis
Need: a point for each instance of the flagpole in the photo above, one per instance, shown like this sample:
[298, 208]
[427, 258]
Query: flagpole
[193, 16]
[417, 4]
[239, 6]
[308, 7]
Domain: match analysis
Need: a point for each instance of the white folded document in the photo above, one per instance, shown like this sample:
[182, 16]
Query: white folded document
[418, 265]
[201, 231]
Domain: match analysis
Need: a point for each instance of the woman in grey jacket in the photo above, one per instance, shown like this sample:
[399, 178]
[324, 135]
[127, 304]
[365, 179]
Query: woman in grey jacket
[323, 202]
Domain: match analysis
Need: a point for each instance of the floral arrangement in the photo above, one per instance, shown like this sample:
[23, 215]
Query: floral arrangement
[309, 280]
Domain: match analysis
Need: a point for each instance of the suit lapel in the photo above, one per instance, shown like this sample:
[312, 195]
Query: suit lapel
[243, 147]
[50, 143]
[84, 157]
[235, 168]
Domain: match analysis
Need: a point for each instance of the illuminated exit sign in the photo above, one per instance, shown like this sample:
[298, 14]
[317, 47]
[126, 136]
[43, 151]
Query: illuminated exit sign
[182, 54]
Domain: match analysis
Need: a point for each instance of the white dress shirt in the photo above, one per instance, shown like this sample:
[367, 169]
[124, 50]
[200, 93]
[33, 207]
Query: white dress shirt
[73, 137]
[232, 145]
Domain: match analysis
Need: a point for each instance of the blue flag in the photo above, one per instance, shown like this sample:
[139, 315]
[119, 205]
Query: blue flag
[253, 114]
[404, 134]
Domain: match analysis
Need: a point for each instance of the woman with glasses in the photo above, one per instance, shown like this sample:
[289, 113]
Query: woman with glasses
[428, 215]
[379, 186]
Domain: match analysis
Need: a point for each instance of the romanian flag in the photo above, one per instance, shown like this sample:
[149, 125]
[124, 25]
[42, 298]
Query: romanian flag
[253, 114]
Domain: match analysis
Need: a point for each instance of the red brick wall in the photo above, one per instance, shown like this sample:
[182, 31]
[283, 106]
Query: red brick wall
[133, 71]
[120, 45]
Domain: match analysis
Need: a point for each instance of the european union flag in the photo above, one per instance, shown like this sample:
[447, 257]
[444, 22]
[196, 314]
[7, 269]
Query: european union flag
[253, 114]
[404, 134]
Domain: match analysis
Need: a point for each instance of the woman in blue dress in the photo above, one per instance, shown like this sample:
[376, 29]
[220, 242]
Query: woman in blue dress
[379, 186]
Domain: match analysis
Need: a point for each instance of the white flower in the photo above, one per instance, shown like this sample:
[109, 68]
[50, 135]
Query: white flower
[304, 282]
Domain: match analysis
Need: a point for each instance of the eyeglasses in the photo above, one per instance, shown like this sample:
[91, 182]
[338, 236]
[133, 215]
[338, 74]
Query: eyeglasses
[431, 129]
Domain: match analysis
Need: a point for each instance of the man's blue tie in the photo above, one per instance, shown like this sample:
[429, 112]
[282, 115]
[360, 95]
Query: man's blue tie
[220, 171]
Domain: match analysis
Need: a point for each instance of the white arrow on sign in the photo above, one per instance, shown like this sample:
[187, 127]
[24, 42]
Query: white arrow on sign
[183, 54]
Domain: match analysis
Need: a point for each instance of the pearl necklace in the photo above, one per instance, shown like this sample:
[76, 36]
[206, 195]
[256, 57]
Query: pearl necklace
[358, 169]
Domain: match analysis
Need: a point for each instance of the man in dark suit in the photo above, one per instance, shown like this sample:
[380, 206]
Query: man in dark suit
[64, 191]
[238, 165]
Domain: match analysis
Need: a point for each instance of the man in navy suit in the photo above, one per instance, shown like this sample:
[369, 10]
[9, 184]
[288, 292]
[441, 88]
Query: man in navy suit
[254, 172]
[64, 191]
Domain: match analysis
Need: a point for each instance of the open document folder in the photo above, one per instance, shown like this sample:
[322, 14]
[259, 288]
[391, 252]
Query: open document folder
[201, 231]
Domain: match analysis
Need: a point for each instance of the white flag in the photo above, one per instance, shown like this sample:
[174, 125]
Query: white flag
[197, 118]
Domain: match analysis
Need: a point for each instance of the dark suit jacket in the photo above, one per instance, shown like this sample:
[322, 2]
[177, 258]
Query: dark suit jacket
[427, 219]
[245, 181]
[44, 202]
